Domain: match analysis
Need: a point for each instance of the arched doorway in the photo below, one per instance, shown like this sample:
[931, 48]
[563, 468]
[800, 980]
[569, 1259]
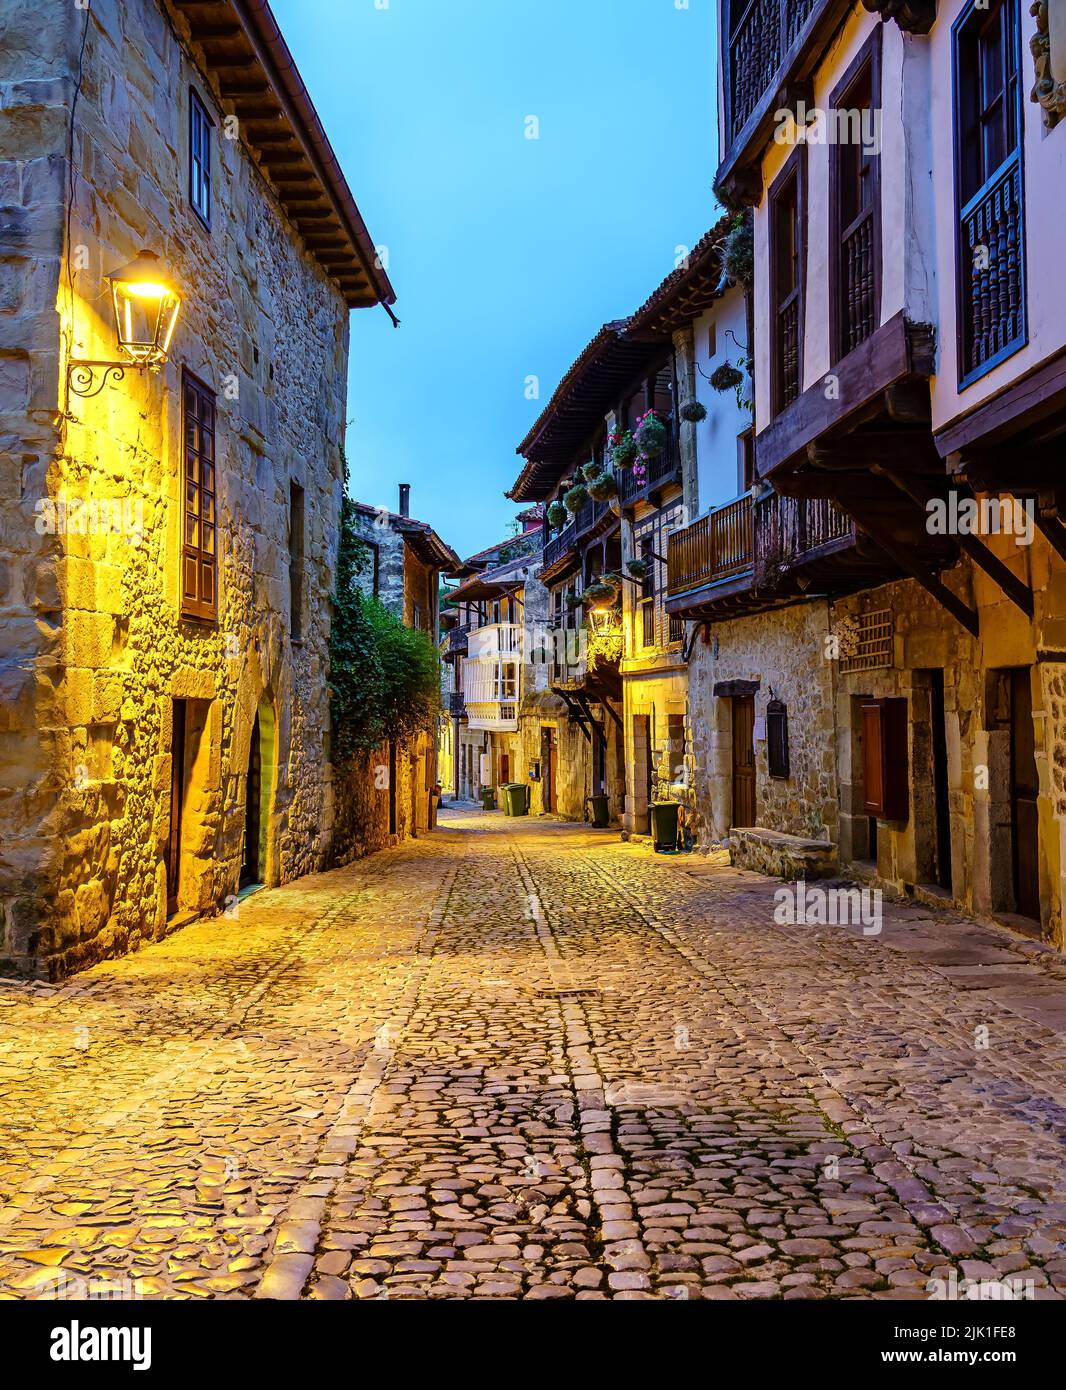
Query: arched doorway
[259, 789]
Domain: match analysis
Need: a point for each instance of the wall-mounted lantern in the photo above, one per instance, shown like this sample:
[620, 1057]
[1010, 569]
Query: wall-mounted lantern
[601, 620]
[145, 303]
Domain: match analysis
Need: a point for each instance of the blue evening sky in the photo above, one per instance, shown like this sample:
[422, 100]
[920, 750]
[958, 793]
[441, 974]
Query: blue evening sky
[507, 254]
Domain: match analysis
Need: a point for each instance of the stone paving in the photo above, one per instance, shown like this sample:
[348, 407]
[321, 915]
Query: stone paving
[517, 1059]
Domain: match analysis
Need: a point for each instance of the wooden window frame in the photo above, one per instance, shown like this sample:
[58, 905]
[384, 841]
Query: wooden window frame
[868, 60]
[970, 18]
[201, 161]
[794, 172]
[192, 604]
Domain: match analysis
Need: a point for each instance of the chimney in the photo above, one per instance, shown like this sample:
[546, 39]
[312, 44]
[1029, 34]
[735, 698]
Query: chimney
[405, 499]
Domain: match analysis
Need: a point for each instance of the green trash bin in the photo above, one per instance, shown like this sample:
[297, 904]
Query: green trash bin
[488, 798]
[664, 822]
[516, 799]
[601, 812]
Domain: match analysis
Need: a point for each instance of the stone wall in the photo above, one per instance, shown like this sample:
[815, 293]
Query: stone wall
[362, 790]
[95, 650]
[785, 652]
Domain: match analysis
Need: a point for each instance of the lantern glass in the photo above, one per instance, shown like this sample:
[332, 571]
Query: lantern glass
[601, 621]
[146, 306]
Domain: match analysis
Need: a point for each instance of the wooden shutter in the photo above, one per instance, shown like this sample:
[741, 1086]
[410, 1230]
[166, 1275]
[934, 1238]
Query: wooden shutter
[199, 564]
[886, 792]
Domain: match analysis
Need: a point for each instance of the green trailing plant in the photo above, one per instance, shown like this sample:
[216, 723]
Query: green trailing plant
[592, 470]
[651, 434]
[558, 516]
[575, 498]
[624, 451]
[693, 412]
[384, 677]
[604, 487]
[738, 251]
[637, 568]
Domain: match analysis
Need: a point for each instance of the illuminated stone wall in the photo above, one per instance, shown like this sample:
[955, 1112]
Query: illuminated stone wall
[94, 648]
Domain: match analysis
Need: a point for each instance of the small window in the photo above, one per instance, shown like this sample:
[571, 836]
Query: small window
[777, 738]
[416, 617]
[199, 569]
[200, 128]
[745, 461]
[712, 340]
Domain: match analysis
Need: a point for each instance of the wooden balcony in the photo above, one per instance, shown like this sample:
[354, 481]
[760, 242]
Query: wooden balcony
[746, 557]
[560, 546]
[762, 35]
[718, 546]
[657, 473]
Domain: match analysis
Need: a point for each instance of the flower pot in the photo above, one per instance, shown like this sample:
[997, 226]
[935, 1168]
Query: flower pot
[693, 412]
[651, 436]
[576, 498]
[604, 487]
[558, 516]
[625, 453]
[591, 471]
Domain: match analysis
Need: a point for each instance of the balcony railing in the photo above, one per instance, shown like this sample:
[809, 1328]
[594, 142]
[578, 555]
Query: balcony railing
[495, 639]
[456, 641]
[761, 37]
[768, 536]
[656, 473]
[992, 255]
[715, 547]
[860, 285]
[560, 545]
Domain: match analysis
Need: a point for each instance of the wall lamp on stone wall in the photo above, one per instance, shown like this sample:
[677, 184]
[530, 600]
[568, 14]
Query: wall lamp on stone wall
[145, 303]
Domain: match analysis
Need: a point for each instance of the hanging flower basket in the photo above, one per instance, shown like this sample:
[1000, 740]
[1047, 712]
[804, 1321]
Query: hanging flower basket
[604, 487]
[591, 471]
[693, 412]
[598, 593]
[575, 498]
[624, 451]
[650, 435]
[637, 568]
[726, 377]
[558, 516]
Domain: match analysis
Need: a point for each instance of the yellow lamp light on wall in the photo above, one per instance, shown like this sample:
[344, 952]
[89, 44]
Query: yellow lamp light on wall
[145, 304]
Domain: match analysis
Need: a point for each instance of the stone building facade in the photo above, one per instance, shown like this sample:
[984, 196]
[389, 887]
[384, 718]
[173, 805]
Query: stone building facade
[167, 547]
[383, 797]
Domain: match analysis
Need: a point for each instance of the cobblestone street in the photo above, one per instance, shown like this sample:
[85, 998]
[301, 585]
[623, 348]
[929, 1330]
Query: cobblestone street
[519, 1059]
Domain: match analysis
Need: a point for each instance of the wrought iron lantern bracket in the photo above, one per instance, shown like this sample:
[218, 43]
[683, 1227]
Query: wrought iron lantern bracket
[87, 376]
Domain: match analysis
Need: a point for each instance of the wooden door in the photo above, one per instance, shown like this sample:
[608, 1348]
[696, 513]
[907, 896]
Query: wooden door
[547, 768]
[505, 768]
[1024, 788]
[177, 800]
[743, 760]
[251, 868]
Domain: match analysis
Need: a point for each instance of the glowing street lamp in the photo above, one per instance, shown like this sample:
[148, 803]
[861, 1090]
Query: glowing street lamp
[146, 308]
[145, 303]
[601, 619]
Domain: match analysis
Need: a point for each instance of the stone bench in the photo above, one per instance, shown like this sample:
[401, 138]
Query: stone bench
[789, 857]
